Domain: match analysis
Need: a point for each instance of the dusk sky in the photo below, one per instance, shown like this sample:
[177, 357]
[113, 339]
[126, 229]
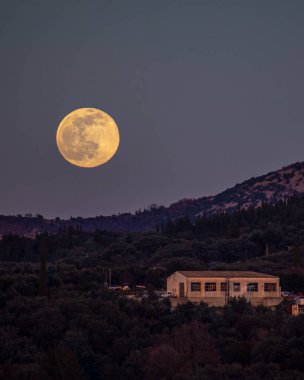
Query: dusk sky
[205, 94]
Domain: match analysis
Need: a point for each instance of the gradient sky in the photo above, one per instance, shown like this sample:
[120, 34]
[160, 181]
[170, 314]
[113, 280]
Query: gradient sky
[205, 94]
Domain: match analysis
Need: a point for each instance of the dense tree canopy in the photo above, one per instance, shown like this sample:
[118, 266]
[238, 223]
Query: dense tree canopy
[58, 320]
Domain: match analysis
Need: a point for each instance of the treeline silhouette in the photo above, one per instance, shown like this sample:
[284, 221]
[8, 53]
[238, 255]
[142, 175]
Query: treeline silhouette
[238, 240]
[290, 210]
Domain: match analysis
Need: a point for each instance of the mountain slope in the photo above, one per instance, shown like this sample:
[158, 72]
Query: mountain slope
[280, 184]
[271, 187]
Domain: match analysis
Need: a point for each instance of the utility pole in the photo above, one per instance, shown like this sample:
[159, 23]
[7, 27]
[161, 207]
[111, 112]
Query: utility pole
[250, 289]
[110, 276]
[227, 291]
[43, 285]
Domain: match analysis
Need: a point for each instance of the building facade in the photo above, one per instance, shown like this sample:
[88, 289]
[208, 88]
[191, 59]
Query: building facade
[217, 287]
[298, 307]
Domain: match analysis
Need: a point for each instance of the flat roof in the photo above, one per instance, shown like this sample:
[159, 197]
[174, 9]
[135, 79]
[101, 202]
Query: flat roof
[224, 273]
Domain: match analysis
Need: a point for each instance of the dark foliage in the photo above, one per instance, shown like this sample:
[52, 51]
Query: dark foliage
[94, 334]
[59, 322]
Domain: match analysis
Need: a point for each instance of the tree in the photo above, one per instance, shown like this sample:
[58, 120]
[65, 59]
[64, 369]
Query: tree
[61, 363]
[163, 363]
[42, 286]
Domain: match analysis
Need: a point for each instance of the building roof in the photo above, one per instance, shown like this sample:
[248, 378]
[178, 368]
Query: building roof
[224, 273]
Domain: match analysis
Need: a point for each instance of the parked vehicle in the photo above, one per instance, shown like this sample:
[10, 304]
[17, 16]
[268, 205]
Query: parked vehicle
[158, 293]
[141, 291]
[168, 295]
[114, 288]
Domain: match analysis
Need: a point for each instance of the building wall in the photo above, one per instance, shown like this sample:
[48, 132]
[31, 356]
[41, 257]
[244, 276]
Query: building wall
[219, 297]
[298, 307]
[173, 282]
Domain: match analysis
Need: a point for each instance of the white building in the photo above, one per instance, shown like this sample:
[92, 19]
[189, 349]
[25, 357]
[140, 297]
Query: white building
[217, 287]
[298, 307]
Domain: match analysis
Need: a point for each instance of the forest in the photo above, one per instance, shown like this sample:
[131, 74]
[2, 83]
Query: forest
[59, 321]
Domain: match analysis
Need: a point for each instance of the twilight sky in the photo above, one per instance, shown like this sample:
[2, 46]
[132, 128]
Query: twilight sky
[205, 94]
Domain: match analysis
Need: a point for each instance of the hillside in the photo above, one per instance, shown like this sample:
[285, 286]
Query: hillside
[269, 188]
[83, 330]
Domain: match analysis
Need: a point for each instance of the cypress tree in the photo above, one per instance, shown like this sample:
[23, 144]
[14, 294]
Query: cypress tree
[42, 286]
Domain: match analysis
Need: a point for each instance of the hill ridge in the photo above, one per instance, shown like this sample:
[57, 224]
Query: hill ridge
[268, 188]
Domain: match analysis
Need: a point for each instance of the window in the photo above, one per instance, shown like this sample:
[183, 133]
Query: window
[252, 287]
[270, 287]
[210, 286]
[236, 286]
[223, 286]
[196, 287]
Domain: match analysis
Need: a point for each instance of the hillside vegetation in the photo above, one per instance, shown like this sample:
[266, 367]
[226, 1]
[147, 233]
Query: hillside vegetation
[58, 321]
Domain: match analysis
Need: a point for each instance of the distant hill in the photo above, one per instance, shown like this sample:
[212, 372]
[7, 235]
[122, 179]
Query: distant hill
[269, 188]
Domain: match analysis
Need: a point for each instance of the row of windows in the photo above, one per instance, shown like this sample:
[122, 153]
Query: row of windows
[236, 287]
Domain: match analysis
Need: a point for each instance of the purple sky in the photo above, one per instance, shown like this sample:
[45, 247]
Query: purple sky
[205, 94]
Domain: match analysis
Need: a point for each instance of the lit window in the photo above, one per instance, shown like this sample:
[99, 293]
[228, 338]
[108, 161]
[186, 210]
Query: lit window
[270, 287]
[223, 286]
[252, 287]
[196, 287]
[210, 286]
[236, 287]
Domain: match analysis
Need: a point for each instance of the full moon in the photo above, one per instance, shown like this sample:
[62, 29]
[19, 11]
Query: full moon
[87, 137]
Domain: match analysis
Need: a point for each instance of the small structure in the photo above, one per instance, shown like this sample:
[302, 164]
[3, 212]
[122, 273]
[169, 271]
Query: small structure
[217, 287]
[298, 307]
